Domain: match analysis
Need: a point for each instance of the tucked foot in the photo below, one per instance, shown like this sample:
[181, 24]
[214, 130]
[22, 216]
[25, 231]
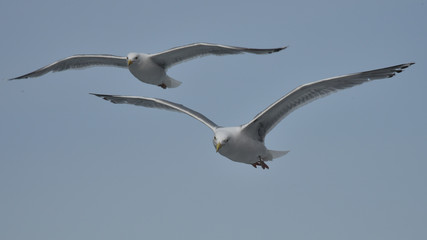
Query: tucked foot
[260, 163]
[162, 86]
[263, 165]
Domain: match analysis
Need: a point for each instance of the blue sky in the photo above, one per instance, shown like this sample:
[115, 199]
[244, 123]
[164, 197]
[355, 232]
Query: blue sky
[73, 166]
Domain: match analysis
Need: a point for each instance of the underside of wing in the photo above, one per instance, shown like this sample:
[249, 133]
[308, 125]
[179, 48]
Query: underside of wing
[179, 54]
[266, 120]
[158, 103]
[76, 62]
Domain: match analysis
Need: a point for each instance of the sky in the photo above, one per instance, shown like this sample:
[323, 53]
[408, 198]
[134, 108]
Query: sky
[73, 166]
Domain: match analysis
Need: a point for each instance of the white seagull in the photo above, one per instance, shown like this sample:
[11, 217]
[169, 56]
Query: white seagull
[148, 68]
[245, 143]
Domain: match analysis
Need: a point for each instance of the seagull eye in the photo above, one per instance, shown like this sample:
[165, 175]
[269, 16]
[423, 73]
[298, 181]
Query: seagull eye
[214, 138]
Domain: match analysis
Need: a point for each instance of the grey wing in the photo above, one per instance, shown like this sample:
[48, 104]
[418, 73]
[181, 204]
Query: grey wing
[78, 61]
[176, 55]
[266, 120]
[158, 103]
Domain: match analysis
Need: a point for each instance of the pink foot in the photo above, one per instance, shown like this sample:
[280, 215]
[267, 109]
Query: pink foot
[260, 163]
[263, 165]
[162, 86]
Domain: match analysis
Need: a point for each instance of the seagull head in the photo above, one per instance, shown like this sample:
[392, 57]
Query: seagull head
[221, 138]
[133, 58]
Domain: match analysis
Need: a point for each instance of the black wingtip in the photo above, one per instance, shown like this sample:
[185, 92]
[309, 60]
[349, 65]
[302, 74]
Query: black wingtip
[99, 95]
[278, 49]
[105, 97]
[20, 77]
[407, 65]
[391, 75]
[400, 68]
[404, 66]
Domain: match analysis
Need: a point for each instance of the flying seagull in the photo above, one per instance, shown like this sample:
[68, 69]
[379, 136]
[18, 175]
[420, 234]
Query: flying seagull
[245, 143]
[148, 68]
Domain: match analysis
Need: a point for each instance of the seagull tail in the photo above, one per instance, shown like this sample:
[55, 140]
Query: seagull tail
[172, 83]
[276, 154]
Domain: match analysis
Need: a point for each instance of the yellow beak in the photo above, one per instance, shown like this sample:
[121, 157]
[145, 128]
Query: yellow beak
[218, 146]
[129, 62]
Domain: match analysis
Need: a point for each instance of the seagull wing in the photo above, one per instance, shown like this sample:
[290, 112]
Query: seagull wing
[179, 54]
[158, 103]
[78, 61]
[266, 120]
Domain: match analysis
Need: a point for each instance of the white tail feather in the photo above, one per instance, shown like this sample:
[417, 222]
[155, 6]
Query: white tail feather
[172, 83]
[277, 154]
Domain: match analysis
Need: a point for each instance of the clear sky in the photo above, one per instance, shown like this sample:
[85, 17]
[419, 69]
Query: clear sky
[73, 166]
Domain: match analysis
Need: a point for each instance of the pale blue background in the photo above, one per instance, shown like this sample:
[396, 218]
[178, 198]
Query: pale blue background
[73, 166]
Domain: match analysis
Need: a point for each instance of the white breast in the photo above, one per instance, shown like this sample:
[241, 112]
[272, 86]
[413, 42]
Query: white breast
[147, 71]
[241, 148]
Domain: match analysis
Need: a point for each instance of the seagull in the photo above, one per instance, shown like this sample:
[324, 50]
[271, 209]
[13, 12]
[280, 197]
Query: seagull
[245, 143]
[148, 68]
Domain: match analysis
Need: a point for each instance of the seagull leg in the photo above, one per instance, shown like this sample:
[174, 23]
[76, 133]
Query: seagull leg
[254, 164]
[162, 86]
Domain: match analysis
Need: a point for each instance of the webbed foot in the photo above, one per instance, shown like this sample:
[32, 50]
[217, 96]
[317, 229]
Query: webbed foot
[260, 163]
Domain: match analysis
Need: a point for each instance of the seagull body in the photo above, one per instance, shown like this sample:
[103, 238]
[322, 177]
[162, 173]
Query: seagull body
[148, 68]
[239, 146]
[245, 143]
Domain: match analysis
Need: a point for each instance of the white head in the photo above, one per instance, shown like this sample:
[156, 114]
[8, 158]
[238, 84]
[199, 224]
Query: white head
[221, 138]
[134, 58]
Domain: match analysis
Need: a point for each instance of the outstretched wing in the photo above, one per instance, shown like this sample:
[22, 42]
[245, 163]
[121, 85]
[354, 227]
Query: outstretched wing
[158, 103]
[78, 61]
[176, 55]
[266, 120]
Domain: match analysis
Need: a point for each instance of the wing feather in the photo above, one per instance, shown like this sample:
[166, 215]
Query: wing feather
[266, 120]
[76, 62]
[179, 54]
[158, 103]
